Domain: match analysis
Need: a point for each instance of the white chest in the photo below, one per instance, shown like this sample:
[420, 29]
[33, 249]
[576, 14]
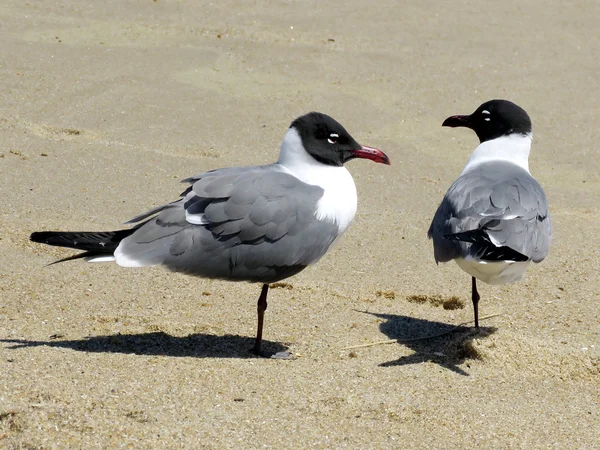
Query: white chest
[339, 202]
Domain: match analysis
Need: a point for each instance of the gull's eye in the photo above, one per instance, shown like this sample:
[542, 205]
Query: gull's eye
[333, 137]
[486, 112]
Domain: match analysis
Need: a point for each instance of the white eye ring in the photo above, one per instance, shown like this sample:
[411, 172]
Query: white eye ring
[487, 119]
[485, 111]
[334, 136]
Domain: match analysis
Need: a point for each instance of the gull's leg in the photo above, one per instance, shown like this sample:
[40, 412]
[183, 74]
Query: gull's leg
[261, 307]
[475, 299]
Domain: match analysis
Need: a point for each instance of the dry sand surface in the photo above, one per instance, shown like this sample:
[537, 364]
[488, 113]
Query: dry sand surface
[104, 106]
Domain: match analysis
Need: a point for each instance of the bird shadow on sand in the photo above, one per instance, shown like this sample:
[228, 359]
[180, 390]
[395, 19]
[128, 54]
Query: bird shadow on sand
[158, 344]
[453, 348]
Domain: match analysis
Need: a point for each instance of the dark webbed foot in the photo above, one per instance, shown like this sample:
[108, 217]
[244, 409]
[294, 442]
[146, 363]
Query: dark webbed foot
[273, 355]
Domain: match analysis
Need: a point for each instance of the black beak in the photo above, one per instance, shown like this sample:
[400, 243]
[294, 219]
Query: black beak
[457, 121]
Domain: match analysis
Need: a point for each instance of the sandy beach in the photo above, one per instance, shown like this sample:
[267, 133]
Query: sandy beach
[105, 106]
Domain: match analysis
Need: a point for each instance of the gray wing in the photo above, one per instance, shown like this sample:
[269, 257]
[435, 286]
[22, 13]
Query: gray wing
[253, 224]
[496, 211]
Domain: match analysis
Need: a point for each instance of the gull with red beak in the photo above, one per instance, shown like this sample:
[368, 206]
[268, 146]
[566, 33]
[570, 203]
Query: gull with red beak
[259, 224]
[494, 219]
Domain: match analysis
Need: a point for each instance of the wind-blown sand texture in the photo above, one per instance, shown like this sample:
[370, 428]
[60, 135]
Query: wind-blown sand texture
[105, 106]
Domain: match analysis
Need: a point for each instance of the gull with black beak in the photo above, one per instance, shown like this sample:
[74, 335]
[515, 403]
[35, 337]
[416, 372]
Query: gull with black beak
[258, 224]
[494, 219]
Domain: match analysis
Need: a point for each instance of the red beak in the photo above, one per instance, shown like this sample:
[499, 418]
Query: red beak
[373, 154]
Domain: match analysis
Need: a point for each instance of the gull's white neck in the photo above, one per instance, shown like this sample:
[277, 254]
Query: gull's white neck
[339, 201]
[513, 148]
[294, 157]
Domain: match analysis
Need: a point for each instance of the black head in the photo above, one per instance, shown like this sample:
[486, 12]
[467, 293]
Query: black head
[494, 119]
[329, 143]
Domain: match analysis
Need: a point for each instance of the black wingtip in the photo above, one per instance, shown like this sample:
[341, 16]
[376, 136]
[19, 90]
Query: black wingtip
[77, 256]
[94, 241]
[485, 249]
[39, 236]
[474, 236]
